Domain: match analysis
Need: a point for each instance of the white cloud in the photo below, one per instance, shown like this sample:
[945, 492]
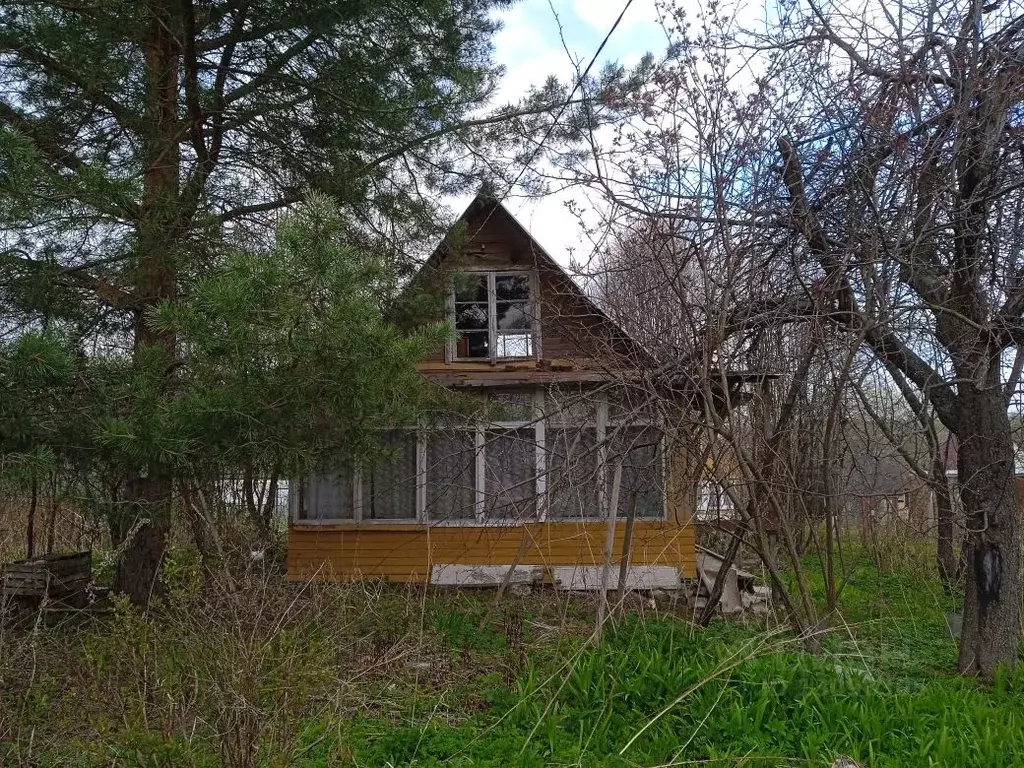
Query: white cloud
[531, 48]
[601, 14]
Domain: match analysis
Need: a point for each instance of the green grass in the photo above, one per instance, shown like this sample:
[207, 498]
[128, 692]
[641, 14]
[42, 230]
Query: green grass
[674, 695]
[389, 677]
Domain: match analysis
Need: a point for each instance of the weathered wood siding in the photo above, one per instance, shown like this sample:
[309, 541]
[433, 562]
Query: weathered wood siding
[577, 345]
[406, 553]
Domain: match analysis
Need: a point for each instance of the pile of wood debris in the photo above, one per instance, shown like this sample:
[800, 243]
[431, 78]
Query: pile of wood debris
[740, 594]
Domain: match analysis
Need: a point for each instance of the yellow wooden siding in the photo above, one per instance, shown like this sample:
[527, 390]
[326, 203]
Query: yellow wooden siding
[407, 552]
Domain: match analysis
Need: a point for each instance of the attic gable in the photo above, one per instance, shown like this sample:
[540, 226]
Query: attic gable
[488, 237]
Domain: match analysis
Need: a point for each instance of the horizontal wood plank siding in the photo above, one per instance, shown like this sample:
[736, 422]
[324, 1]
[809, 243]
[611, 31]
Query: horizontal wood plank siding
[406, 553]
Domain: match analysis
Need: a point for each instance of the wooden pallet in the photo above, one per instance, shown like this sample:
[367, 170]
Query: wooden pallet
[61, 578]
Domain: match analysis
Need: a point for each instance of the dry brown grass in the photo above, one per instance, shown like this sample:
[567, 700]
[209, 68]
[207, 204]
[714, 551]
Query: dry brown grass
[60, 527]
[232, 671]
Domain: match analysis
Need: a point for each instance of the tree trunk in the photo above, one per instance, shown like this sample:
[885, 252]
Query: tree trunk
[609, 545]
[627, 549]
[723, 573]
[51, 517]
[138, 568]
[149, 486]
[986, 473]
[30, 547]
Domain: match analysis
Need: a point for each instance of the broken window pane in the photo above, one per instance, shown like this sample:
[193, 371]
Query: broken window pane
[389, 486]
[471, 317]
[472, 345]
[512, 287]
[510, 473]
[572, 477]
[639, 450]
[451, 475]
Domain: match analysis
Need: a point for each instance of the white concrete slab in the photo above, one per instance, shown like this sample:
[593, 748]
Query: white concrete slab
[457, 575]
[588, 577]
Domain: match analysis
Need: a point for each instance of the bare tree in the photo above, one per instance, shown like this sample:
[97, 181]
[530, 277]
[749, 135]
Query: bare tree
[859, 165]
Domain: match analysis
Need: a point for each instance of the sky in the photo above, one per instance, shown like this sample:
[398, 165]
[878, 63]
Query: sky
[530, 47]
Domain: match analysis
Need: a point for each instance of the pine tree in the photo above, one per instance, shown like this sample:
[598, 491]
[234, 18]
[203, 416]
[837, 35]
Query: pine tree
[138, 139]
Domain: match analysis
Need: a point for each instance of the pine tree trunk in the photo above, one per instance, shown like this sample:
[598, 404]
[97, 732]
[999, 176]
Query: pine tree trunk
[986, 472]
[148, 503]
[51, 517]
[149, 488]
[30, 534]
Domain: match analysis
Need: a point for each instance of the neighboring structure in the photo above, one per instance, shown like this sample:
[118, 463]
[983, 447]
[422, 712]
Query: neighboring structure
[464, 503]
[950, 460]
[880, 488]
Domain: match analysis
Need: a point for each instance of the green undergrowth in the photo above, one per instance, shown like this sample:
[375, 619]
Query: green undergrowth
[381, 676]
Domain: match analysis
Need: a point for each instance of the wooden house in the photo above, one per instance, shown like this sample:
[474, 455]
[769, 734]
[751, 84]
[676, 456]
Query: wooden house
[527, 493]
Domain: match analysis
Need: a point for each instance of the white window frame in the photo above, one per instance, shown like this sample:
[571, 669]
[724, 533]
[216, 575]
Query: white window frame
[492, 318]
[709, 490]
[540, 426]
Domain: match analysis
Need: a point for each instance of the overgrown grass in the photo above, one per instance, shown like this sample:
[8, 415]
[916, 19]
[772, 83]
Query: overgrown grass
[372, 675]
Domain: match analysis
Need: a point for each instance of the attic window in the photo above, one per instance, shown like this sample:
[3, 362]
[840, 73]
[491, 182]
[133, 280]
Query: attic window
[493, 316]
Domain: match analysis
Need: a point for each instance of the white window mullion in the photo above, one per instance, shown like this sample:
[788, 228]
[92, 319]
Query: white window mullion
[295, 500]
[421, 476]
[451, 348]
[313, 499]
[541, 486]
[662, 456]
[481, 470]
[601, 428]
[535, 313]
[492, 318]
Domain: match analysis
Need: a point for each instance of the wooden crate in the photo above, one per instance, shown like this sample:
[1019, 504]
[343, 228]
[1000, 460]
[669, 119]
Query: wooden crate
[62, 578]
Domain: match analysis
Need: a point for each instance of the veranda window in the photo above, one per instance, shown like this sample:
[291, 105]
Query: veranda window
[389, 485]
[572, 478]
[451, 474]
[554, 468]
[510, 471]
[326, 497]
[642, 482]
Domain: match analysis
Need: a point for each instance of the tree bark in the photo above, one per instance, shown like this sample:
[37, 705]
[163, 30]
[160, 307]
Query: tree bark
[51, 517]
[986, 472]
[149, 486]
[138, 569]
[30, 533]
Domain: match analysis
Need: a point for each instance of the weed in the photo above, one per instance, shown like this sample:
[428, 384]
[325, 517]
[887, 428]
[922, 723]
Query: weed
[269, 674]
